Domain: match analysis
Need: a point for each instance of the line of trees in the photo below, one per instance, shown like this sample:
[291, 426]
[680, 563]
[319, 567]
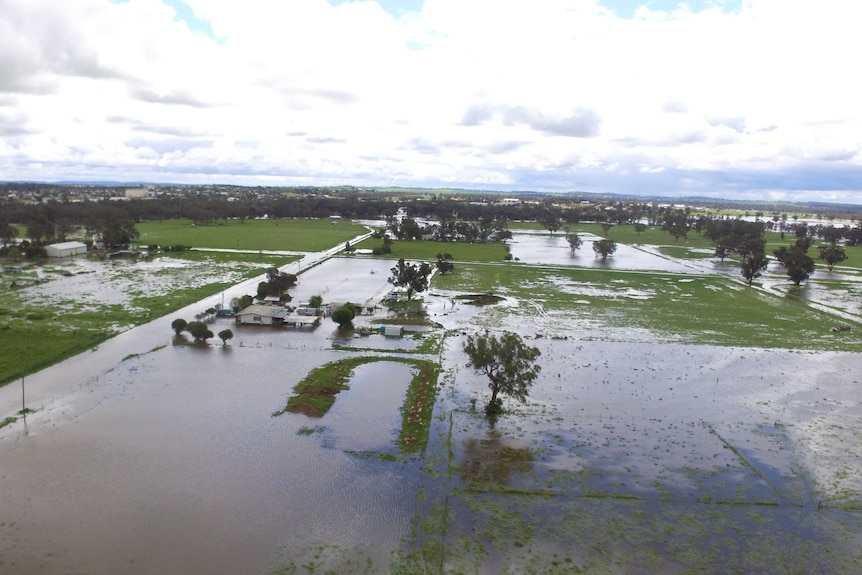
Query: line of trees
[482, 231]
[199, 330]
[276, 285]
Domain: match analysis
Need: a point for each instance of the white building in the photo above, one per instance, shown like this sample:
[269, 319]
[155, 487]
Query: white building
[66, 249]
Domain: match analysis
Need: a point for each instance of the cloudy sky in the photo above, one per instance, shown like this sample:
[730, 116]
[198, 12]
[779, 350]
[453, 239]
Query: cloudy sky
[748, 99]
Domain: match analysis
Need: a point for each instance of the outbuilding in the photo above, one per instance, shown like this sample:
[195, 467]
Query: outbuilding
[393, 330]
[66, 249]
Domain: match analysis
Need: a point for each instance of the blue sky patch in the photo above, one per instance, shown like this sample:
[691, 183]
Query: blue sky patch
[627, 8]
[395, 7]
[185, 14]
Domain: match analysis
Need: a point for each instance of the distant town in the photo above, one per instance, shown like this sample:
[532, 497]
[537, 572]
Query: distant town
[331, 200]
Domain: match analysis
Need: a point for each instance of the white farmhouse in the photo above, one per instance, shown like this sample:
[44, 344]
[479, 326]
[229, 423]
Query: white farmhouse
[257, 314]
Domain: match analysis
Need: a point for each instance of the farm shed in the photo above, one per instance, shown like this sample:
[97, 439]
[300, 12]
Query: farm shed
[66, 249]
[262, 315]
[393, 330]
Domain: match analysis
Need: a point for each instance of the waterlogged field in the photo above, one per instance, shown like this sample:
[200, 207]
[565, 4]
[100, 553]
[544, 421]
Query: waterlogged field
[651, 307]
[425, 250]
[644, 458]
[681, 423]
[53, 311]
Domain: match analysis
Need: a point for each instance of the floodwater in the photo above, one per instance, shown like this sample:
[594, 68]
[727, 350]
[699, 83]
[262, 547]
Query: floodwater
[643, 458]
[173, 463]
[637, 457]
[547, 249]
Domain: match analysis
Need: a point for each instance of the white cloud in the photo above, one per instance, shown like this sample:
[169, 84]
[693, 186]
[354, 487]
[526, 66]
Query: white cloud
[543, 95]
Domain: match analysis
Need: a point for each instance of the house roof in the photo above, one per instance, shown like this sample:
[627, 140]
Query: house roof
[264, 311]
[68, 245]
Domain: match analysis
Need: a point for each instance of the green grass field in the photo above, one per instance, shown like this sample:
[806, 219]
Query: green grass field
[290, 235]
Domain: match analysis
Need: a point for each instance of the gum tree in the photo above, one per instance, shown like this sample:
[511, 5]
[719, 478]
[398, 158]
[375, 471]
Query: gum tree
[832, 254]
[179, 325]
[508, 363]
[604, 248]
[199, 330]
[795, 260]
[225, 335]
[411, 277]
[344, 315]
[574, 241]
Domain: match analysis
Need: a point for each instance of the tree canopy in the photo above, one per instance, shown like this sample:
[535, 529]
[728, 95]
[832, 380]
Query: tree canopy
[444, 263]
[179, 325]
[344, 315]
[604, 248]
[796, 262]
[832, 254]
[199, 330]
[277, 283]
[225, 335]
[507, 362]
[411, 277]
[574, 240]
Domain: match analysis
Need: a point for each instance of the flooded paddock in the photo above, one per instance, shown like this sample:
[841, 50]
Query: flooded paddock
[631, 455]
[172, 463]
[553, 249]
[641, 458]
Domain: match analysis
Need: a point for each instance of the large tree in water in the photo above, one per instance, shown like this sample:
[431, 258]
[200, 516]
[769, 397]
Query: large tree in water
[507, 362]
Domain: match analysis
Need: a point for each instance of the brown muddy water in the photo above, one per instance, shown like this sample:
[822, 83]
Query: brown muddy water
[172, 463]
[634, 458]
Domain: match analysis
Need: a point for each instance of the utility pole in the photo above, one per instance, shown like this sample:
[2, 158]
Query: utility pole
[24, 405]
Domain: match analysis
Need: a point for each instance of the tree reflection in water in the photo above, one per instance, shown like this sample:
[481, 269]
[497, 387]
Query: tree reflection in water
[489, 463]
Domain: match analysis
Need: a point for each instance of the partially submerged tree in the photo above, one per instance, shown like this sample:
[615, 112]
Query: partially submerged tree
[237, 304]
[315, 301]
[508, 363]
[574, 240]
[225, 335]
[752, 265]
[796, 262]
[832, 254]
[344, 315]
[604, 248]
[179, 325]
[277, 283]
[411, 277]
[199, 330]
